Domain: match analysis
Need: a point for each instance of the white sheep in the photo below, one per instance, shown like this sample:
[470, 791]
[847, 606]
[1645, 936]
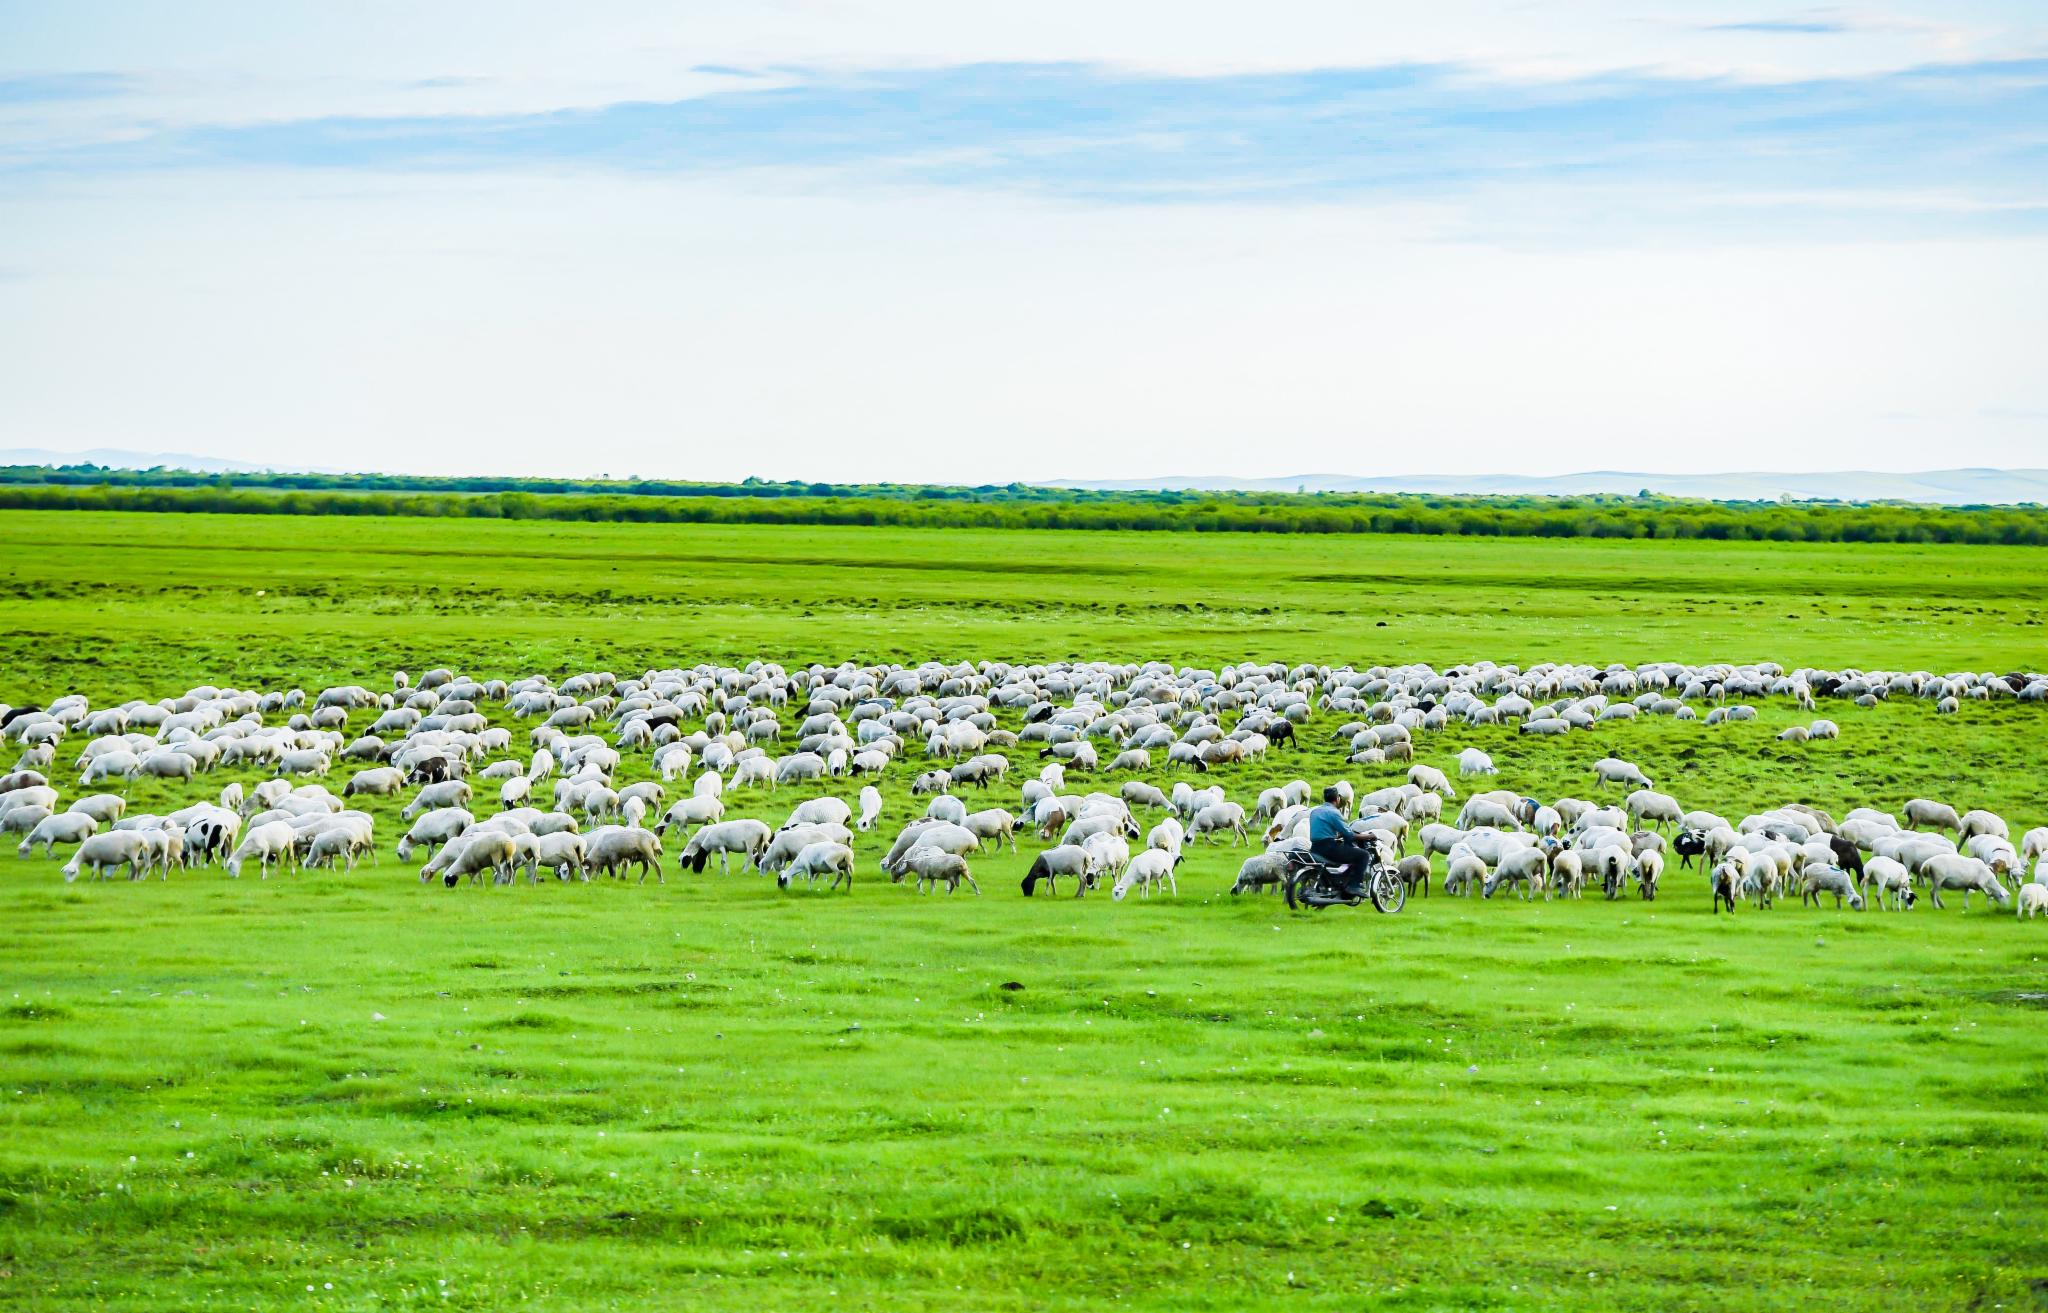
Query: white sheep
[821, 858]
[1152, 867]
[1474, 762]
[273, 841]
[1891, 880]
[64, 827]
[1955, 871]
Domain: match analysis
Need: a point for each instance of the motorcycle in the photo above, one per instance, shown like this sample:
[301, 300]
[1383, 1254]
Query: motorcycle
[1313, 882]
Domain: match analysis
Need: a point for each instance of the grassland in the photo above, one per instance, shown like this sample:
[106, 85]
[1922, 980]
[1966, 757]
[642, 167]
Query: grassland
[219, 1094]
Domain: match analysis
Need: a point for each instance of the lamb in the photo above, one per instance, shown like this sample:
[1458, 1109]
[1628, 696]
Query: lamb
[1465, 868]
[21, 820]
[330, 844]
[1568, 873]
[1106, 852]
[1487, 812]
[931, 865]
[1816, 880]
[2032, 899]
[823, 858]
[1152, 867]
[1414, 873]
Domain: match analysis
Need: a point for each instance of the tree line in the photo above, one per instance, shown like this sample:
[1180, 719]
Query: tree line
[1021, 506]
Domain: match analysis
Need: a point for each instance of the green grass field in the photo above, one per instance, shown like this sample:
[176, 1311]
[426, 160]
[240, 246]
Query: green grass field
[349, 1091]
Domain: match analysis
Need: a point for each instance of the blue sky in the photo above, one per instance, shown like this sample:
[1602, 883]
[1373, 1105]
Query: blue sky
[905, 240]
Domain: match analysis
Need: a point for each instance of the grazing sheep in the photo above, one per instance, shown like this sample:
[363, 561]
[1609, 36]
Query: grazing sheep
[1524, 867]
[1954, 871]
[445, 793]
[935, 867]
[822, 858]
[272, 841]
[1152, 867]
[561, 852]
[1925, 811]
[1892, 881]
[1649, 870]
[1432, 779]
[1067, 860]
[1414, 873]
[109, 852]
[697, 809]
[1613, 770]
[1220, 816]
[379, 781]
[63, 827]
[2032, 899]
[609, 848]
[993, 824]
[1464, 869]
[1974, 823]
[1260, 871]
[437, 826]
[473, 855]
[1817, 880]
[1727, 885]
[1474, 762]
[749, 838]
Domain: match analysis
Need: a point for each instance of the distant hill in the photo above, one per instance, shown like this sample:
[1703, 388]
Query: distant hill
[120, 459]
[1959, 487]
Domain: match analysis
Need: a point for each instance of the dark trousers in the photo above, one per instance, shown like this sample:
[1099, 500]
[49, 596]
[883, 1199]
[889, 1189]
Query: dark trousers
[1345, 852]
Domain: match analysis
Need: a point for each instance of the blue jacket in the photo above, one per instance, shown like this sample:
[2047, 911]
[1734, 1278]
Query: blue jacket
[1326, 822]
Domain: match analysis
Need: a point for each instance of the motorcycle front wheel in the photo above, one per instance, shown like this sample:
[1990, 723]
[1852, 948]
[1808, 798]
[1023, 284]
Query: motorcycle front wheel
[1389, 891]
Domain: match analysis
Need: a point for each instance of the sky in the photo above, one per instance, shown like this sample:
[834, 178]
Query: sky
[844, 239]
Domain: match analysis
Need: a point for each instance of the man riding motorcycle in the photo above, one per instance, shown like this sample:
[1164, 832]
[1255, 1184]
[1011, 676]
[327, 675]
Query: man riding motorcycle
[1330, 839]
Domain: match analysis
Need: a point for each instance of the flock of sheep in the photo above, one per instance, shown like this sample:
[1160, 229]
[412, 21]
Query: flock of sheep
[473, 793]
